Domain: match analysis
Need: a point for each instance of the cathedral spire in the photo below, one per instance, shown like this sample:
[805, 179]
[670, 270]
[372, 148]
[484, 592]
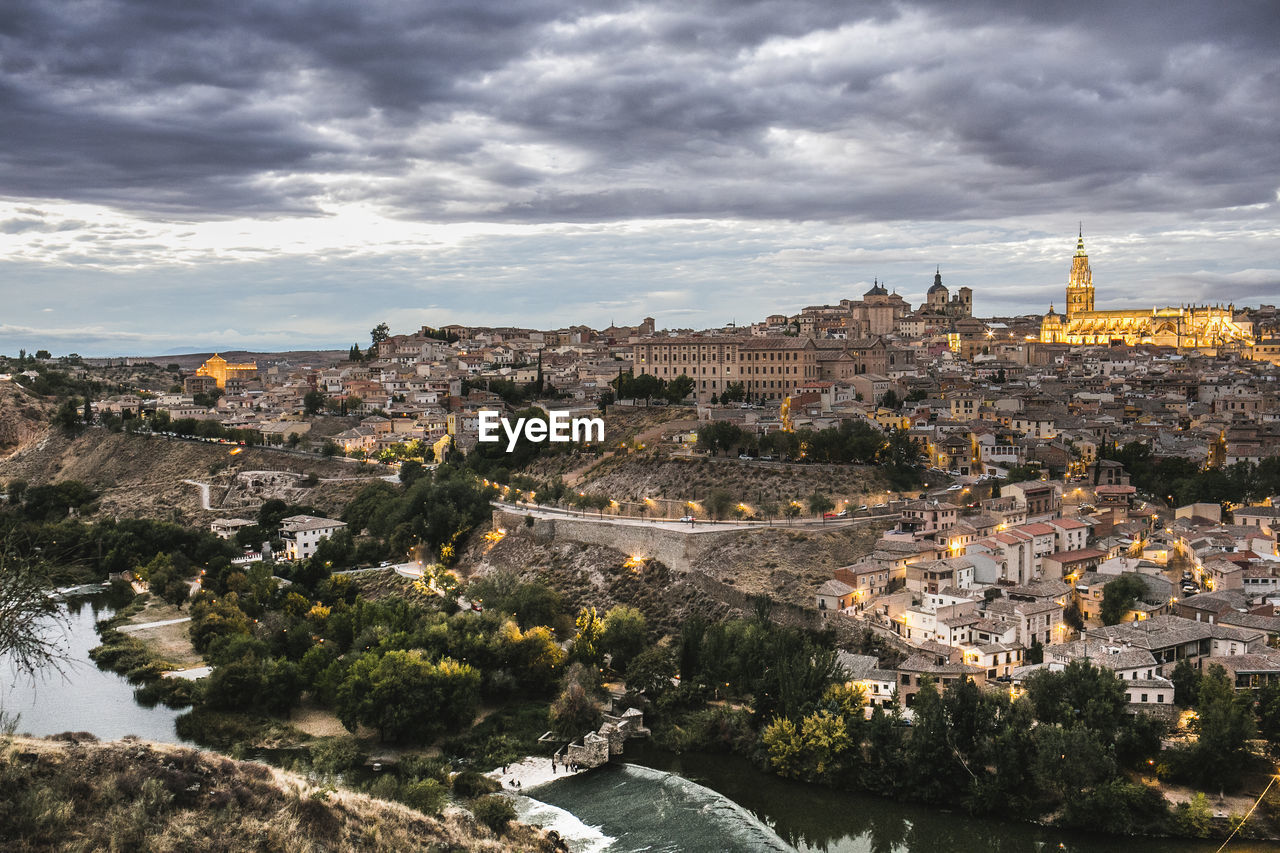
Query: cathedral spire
[1080, 242]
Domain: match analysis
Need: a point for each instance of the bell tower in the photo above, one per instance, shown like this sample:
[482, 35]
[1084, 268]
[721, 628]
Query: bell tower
[1080, 283]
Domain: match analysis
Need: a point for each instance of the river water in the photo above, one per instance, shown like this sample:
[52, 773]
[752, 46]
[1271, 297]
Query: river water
[83, 698]
[666, 803]
[656, 802]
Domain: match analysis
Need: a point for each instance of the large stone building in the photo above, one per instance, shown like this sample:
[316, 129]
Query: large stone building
[220, 370]
[940, 301]
[770, 367]
[1189, 327]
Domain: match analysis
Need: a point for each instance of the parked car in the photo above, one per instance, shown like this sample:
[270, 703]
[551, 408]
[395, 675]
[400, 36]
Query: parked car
[844, 513]
[745, 456]
[881, 506]
[688, 518]
[954, 487]
[862, 508]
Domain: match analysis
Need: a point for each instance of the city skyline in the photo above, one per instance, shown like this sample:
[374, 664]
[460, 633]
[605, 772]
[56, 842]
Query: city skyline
[276, 178]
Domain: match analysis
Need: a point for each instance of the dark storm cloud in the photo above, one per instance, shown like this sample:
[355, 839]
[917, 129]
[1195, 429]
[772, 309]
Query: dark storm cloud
[555, 111]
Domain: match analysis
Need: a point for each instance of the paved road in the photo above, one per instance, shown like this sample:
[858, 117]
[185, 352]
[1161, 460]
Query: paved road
[700, 526]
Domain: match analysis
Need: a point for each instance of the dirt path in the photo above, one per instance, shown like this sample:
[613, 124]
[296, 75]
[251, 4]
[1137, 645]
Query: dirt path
[204, 493]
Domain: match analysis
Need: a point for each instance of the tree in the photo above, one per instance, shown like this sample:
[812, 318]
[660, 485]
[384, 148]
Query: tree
[43, 354]
[30, 628]
[586, 642]
[1268, 715]
[679, 388]
[1186, 683]
[411, 471]
[406, 697]
[67, 417]
[313, 402]
[1079, 695]
[1118, 597]
[604, 401]
[379, 334]
[623, 636]
[820, 504]
[575, 711]
[1225, 724]
[651, 671]
[718, 503]
[791, 511]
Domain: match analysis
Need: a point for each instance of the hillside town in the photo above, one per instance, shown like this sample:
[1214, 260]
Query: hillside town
[1029, 522]
[1006, 502]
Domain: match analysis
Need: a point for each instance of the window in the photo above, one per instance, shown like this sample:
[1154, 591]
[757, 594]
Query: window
[1144, 697]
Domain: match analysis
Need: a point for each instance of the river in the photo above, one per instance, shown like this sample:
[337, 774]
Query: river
[663, 803]
[83, 698]
[655, 802]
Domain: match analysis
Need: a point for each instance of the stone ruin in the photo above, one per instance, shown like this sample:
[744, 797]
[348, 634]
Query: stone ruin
[608, 740]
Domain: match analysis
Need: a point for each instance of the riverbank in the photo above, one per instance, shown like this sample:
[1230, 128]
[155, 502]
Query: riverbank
[530, 773]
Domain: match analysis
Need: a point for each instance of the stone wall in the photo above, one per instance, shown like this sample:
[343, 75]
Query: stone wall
[677, 549]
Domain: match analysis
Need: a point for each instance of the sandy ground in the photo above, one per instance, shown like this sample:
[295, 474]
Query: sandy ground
[316, 722]
[1221, 806]
[171, 641]
[529, 773]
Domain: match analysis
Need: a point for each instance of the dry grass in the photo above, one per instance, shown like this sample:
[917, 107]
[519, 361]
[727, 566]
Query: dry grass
[142, 477]
[640, 475]
[133, 796]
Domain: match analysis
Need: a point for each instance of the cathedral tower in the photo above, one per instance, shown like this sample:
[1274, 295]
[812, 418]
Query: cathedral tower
[1080, 284]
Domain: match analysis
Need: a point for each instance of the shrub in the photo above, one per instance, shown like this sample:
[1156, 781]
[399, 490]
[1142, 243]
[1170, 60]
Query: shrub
[494, 811]
[470, 784]
[427, 796]
[334, 755]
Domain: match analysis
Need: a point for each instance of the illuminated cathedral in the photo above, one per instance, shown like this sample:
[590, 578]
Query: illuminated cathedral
[1190, 327]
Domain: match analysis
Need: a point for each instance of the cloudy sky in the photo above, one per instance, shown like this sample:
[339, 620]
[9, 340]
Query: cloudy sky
[239, 174]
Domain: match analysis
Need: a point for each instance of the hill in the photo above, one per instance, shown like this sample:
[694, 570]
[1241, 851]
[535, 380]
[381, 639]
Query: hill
[24, 416]
[786, 564]
[144, 476]
[637, 476]
[130, 795]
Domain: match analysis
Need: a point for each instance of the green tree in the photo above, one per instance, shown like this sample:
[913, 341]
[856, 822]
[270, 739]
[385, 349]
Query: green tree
[820, 504]
[718, 503]
[1119, 596]
[67, 417]
[586, 641]
[407, 697]
[576, 710]
[679, 388]
[650, 672]
[1225, 724]
[623, 636]
[313, 402]
[1186, 683]
[1080, 694]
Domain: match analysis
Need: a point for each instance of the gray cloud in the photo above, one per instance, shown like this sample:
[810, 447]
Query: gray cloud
[754, 155]
[758, 110]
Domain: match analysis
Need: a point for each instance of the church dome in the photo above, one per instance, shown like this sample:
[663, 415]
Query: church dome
[937, 283]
